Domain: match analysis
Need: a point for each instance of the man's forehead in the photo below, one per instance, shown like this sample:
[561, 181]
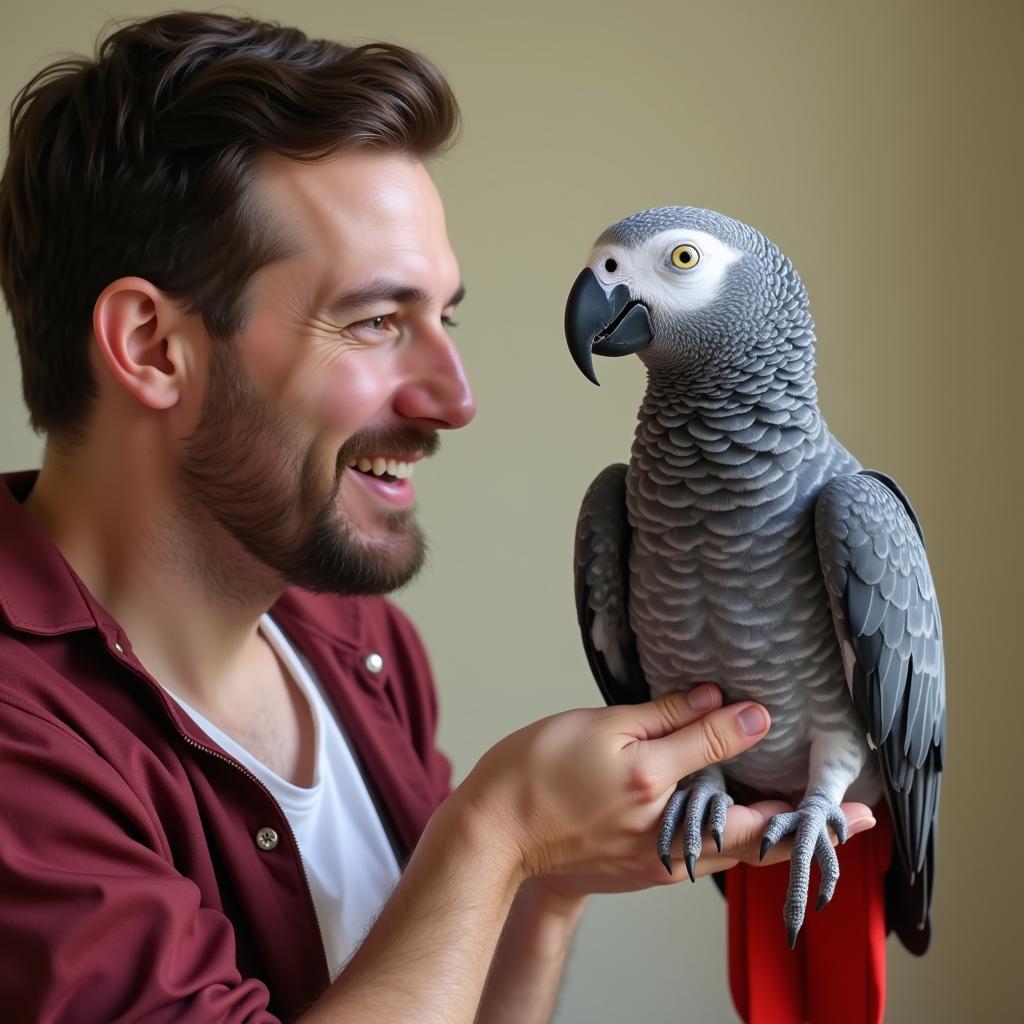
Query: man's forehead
[350, 193]
[354, 219]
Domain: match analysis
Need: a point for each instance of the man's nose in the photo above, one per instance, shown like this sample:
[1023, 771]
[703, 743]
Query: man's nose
[436, 387]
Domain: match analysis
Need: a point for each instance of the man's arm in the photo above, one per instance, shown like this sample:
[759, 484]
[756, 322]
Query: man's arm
[427, 955]
[526, 972]
[577, 795]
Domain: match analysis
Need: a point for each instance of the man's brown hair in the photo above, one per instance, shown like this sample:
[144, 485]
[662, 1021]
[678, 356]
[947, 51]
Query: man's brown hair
[141, 162]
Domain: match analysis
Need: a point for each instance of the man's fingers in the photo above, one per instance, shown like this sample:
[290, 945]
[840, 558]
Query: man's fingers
[745, 826]
[670, 713]
[713, 737]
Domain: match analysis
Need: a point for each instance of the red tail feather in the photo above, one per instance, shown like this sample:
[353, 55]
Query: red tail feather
[836, 973]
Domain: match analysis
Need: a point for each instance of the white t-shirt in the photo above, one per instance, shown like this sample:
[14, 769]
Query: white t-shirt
[348, 860]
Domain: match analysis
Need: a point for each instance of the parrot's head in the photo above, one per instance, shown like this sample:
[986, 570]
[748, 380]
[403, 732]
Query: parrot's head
[691, 292]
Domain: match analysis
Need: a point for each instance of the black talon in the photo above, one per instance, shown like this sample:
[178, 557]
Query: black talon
[793, 930]
[717, 836]
[691, 864]
[669, 822]
[822, 900]
[766, 845]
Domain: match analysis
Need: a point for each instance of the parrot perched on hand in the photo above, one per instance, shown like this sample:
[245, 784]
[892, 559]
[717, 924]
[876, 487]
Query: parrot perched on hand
[744, 545]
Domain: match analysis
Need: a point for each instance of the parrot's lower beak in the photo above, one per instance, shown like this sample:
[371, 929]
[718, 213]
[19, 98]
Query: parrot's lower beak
[608, 325]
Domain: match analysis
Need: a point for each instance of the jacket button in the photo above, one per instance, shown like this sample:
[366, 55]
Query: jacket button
[374, 662]
[266, 838]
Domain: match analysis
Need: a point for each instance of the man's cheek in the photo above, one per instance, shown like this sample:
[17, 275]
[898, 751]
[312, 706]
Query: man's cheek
[350, 399]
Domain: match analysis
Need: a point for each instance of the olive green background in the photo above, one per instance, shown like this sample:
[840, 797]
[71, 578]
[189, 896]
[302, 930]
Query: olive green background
[879, 144]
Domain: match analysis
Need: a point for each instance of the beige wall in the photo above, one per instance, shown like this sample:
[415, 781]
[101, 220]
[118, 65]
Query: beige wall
[879, 144]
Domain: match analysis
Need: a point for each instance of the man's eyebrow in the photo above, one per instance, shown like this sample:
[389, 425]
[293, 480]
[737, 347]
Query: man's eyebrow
[383, 288]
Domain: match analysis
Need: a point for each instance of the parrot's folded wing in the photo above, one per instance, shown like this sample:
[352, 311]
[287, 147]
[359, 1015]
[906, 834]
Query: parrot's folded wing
[887, 620]
[602, 589]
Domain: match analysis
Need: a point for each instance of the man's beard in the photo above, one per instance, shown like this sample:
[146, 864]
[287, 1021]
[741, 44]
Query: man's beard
[243, 467]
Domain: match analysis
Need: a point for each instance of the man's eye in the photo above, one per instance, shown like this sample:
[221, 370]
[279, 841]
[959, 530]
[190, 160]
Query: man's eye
[448, 321]
[375, 324]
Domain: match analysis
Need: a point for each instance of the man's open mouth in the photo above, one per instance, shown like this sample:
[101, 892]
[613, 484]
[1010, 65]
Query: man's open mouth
[385, 467]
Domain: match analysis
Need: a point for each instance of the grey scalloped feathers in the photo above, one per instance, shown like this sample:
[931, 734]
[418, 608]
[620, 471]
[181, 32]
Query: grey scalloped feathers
[743, 544]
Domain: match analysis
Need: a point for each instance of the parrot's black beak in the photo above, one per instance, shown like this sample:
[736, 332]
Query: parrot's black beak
[608, 325]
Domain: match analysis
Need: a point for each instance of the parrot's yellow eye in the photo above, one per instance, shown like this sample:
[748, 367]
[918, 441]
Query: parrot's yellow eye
[685, 256]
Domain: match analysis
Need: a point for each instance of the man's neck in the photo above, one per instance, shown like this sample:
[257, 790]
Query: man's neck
[187, 595]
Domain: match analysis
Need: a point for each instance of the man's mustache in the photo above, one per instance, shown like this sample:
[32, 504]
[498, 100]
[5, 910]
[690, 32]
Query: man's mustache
[401, 441]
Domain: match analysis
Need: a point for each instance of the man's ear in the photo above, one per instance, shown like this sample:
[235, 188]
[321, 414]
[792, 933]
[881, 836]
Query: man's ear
[138, 333]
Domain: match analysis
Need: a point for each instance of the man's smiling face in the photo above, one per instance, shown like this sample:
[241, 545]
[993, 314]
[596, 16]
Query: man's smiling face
[339, 380]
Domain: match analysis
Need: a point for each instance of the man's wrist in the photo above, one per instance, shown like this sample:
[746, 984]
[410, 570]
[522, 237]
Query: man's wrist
[476, 824]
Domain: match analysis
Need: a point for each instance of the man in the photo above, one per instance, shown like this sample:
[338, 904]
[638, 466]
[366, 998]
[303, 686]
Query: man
[230, 282]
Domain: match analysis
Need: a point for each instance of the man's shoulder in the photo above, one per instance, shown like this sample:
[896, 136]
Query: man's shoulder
[58, 702]
[28, 683]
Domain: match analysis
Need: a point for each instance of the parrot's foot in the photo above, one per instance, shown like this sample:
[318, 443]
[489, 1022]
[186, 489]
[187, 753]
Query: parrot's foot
[810, 822]
[698, 801]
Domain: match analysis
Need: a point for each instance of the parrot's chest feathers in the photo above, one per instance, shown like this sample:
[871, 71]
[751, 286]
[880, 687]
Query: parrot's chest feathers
[725, 579]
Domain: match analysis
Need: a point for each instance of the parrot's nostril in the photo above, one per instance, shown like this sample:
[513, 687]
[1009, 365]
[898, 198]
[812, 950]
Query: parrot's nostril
[610, 265]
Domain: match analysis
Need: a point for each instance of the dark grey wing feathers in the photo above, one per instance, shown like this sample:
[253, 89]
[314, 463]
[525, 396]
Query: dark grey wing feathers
[602, 589]
[887, 620]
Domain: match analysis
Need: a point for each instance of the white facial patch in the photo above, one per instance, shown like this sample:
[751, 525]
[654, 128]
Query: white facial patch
[651, 277]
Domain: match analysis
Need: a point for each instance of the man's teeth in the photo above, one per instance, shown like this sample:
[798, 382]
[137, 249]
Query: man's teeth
[379, 466]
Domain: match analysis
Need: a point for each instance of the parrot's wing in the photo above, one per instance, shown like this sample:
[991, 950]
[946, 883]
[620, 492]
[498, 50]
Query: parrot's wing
[887, 620]
[602, 589]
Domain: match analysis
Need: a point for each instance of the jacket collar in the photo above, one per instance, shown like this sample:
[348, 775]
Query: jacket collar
[39, 591]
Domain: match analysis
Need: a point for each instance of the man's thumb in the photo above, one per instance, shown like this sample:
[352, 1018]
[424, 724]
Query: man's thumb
[672, 711]
[709, 738]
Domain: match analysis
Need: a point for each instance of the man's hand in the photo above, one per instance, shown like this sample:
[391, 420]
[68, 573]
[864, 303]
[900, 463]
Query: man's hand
[744, 828]
[579, 796]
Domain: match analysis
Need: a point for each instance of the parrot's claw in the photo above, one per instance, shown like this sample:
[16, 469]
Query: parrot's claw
[810, 824]
[716, 834]
[697, 801]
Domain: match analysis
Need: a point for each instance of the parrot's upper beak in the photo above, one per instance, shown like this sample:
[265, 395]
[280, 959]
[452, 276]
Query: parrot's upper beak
[610, 325]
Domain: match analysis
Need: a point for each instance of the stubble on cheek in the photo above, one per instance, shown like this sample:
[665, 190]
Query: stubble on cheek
[240, 466]
[274, 491]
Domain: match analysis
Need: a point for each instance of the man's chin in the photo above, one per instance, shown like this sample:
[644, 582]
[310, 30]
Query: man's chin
[394, 538]
[353, 561]
[398, 559]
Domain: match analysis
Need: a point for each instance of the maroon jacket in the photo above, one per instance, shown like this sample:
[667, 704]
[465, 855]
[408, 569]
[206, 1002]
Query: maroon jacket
[132, 887]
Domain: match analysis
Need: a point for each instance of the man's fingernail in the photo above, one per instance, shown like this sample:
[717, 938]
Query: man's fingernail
[862, 826]
[703, 698]
[753, 720]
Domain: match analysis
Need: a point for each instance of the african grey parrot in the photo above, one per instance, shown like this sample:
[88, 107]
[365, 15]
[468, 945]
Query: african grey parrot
[745, 546]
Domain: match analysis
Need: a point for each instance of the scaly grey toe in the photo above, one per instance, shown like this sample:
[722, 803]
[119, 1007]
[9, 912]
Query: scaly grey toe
[809, 826]
[696, 802]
